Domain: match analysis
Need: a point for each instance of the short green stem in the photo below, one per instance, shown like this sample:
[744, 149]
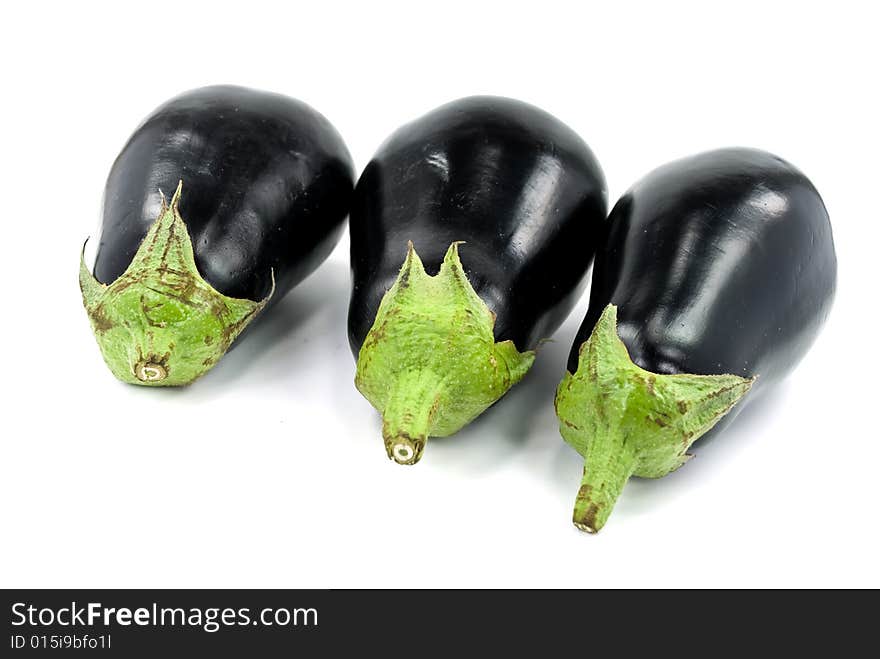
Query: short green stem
[607, 467]
[160, 323]
[626, 421]
[409, 415]
[430, 362]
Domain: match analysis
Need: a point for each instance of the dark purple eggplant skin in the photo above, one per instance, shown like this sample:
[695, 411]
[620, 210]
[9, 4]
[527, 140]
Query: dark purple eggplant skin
[720, 263]
[521, 189]
[267, 184]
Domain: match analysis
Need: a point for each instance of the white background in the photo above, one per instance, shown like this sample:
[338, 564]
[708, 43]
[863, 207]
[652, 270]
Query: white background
[270, 472]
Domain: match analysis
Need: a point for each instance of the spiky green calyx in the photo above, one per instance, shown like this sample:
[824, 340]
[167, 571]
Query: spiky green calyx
[160, 323]
[430, 363]
[626, 421]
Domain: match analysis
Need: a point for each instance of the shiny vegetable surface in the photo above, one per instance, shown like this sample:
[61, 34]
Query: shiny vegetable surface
[714, 277]
[472, 230]
[221, 201]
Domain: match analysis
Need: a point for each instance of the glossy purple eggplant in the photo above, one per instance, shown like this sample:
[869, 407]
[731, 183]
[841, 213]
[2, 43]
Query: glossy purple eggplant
[259, 187]
[714, 277]
[522, 198]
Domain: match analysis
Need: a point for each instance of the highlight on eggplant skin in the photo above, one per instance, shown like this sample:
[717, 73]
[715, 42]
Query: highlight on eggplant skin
[472, 230]
[242, 193]
[714, 277]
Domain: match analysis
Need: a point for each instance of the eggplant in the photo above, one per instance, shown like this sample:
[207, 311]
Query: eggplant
[713, 278]
[260, 186]
[440, 336]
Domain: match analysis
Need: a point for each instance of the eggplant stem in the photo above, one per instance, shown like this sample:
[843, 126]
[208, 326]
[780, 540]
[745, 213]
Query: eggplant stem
[160, 323]
[607, 468]
[430, 363]
[626, 421]
[409, 415]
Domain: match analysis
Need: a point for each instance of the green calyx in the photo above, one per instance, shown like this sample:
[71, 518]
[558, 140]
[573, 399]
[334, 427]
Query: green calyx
[430, 363]
[160, 323]
[626, 421]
